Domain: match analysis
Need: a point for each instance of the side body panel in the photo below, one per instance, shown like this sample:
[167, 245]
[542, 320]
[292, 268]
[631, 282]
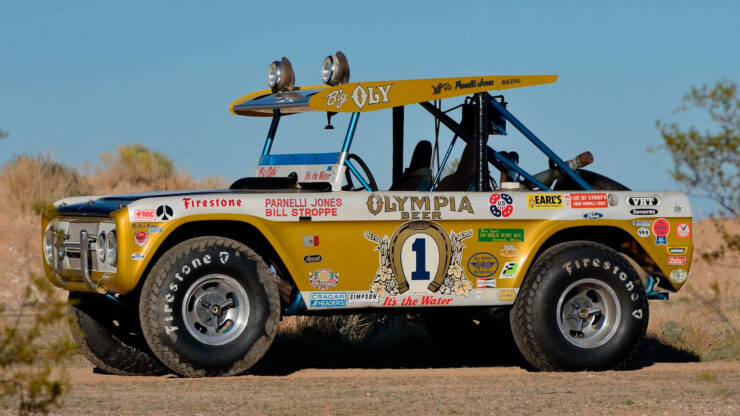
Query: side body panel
[408, 249]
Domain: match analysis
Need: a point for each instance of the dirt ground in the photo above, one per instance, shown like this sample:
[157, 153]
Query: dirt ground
[663, 388]
[310, 377]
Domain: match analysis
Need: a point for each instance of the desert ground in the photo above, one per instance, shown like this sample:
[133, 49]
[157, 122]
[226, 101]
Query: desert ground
[687, 365]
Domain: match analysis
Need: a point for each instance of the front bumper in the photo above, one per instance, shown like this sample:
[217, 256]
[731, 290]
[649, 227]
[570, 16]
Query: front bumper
[72, 253]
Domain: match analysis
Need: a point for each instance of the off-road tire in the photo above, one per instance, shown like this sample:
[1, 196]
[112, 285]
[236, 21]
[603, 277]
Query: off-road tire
[109, 339]
[597, 181]
[180, 337]
[537, 322]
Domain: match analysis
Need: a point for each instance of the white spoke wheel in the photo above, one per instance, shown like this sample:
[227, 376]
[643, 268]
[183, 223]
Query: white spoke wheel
[582, 306]
[209, 307]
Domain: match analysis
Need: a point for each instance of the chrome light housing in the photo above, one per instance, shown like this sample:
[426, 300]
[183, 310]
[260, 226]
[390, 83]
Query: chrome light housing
[335, 69]
[111, 247]
[100, 247]
[49, 245]
[280, 75]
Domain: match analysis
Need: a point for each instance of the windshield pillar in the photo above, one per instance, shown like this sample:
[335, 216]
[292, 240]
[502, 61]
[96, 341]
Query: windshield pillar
[350, 132]
[271, 133]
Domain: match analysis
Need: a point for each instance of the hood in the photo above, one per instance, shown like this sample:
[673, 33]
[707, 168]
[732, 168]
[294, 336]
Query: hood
[103, 206]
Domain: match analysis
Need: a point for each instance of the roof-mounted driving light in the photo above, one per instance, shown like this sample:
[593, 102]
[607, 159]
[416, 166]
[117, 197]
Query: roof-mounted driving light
[335, 69]
[280, 76]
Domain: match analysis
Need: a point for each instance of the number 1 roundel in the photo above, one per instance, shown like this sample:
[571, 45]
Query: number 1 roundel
[420, 251]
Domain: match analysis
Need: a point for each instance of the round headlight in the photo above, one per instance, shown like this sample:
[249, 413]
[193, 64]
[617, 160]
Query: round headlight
[48, 245]
[111, 246]
[274, 74]
[280, 76]
[335, 69]
[328, 69]
[100, 247]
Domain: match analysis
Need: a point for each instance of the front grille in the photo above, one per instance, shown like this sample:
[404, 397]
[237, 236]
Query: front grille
[69, 251]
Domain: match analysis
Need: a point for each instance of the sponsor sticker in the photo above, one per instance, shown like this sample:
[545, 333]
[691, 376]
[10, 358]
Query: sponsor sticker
[137, 256]
[145, 214]
[613, 200]
[165, 213]
[367, 297]
[642, 201]
[486, 283]
[328, 300]
[501, 205]
[141, 238]
[644, 211]
[661, 228]
[544, 201]
[419, 207]
[584, 200]
[505, 235]
[676, 260]
[323, 279]
[312, 258]
[678, 276]
[683, 230]
[482, 265]
[509, 270]
[593, 215]
[310, 240]
[506, 295]
[509, 251]
[191, 203]
[677, 250]
[642, 223]
[420, 256]
[643, 232]
[154, 230]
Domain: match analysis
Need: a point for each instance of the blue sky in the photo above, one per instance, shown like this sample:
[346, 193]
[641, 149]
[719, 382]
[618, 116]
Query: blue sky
[79, 78]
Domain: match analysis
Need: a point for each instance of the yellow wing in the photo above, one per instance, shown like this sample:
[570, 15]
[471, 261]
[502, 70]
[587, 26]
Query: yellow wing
[377, 95]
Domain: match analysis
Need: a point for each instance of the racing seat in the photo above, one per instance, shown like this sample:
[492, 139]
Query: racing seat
[463, 177]
[418, 176]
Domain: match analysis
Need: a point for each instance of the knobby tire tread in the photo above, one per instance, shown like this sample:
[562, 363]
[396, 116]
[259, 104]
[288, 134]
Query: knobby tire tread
[119, 358]
[522, 314]
[153, 287]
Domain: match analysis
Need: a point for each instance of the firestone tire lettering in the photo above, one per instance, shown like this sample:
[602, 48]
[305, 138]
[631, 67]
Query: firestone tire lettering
[169, 329]
[535, 318]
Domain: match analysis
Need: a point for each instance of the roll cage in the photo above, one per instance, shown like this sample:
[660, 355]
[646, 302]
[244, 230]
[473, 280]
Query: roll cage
[482, 115]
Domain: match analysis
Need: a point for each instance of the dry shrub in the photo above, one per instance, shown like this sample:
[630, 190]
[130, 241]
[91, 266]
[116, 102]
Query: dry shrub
[136, 168]
[350, 327]
[371, 329]
[32, 376]
[29, 183]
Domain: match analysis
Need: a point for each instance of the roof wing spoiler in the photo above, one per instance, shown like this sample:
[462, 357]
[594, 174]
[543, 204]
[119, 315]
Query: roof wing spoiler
[376, 95]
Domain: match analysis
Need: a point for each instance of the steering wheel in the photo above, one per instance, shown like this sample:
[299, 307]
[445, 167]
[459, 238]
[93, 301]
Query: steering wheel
[366, 171]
